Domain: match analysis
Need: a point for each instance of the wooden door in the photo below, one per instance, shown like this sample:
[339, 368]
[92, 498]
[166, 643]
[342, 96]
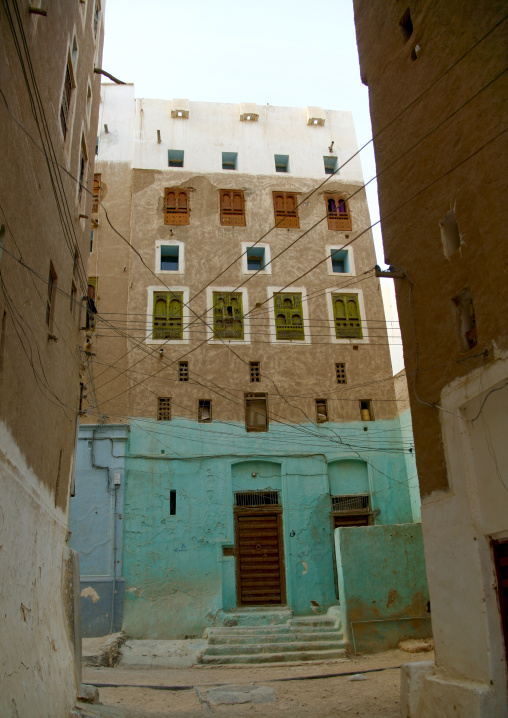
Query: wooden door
[260, 579]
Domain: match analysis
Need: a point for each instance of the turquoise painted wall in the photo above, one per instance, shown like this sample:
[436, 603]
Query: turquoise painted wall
[177, 579]
[382, 583]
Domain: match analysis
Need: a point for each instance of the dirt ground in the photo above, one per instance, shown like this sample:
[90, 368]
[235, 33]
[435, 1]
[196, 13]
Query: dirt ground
[263, 691]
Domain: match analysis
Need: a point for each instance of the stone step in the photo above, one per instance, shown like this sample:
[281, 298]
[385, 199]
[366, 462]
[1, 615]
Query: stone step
[288, 656]
[312, 621]
[267, 630]
[235, 649]
[280, 637]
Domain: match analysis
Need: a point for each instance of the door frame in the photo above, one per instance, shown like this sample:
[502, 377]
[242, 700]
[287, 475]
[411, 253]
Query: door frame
[256, 511]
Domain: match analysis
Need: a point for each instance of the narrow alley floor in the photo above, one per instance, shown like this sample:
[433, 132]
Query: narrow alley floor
[319, 690]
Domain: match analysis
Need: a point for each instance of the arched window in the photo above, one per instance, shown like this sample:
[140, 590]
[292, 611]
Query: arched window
[285, 205]
[338, 213]
[288, 316]
[176, 209]
[232, 208]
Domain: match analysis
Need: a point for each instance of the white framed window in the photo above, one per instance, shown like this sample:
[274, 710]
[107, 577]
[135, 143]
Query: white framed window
[359, 333]
[169, 256]
[167, 315]
[288, 294]
[341, 260]
[256, 259]
[226, 318]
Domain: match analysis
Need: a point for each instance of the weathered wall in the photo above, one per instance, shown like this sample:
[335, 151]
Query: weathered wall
[176, 577]
[382, 585]
[96, 526]
[41, 225]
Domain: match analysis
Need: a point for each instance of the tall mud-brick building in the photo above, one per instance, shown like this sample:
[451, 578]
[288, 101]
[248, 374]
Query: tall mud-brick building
[240, 399]
[438, 88]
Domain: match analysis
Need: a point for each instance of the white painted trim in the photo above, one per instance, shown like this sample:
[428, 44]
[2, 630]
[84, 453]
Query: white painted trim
[271, 310]
[186, 318]
[350, 252]
[268, 257]
[209, 316]
[365, 330]
[181, 256]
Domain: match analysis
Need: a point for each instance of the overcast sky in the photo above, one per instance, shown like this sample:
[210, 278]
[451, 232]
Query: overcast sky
[282, 52]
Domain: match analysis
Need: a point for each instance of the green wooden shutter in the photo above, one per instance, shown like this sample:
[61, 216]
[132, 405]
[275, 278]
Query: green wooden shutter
[227, 315]
[346, 312]
[289, 316]
[168, 315]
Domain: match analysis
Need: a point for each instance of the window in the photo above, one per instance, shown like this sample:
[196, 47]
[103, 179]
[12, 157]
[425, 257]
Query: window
[288, 316]
[65, 105]
[50, 304]
[281, 163]
[330, 165]
[170, 255]
[255, 371]
[232, 208]
[256, 415]
[176, 206]
[82, 169]
[167, 315]
[351, 510]
[74, 298]
[406, 25]
[321, 411]
[89, 103]
[337, 212]
[175, 158]
[163, 408]
[450, 233]
[229, 160]
[183, 371]
[91, 241]
[366, 413]
[205, 411]
[96, 192]
[255, 259]
[227, 315]
[346, 313]
[466, 320]
[172, 502]
[96, 11]
[340, 373]
[340, 261]
[286, 210]
[91, 306]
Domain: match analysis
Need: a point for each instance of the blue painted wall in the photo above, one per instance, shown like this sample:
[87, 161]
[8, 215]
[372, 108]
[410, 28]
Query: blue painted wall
[96, 525]
[176, 577]
[382, 585]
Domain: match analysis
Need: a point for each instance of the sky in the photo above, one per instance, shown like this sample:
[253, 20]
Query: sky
[290, 53]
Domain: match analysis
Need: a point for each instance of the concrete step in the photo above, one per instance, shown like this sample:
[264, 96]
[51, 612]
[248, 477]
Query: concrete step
[260, 648]
[317, 621]
[288, 656]
[267, 630]
[279, 637]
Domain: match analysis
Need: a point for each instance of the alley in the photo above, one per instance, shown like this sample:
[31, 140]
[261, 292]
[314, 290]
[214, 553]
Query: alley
[300, 691]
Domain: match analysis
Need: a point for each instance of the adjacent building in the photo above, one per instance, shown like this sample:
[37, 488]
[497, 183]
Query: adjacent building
[436, 73]
[240, 404]
[49, 107]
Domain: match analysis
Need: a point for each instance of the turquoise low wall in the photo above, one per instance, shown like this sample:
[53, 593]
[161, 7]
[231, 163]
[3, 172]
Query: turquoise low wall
[382, 585]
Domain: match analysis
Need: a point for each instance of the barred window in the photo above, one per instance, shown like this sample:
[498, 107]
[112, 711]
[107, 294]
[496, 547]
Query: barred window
[163, 408]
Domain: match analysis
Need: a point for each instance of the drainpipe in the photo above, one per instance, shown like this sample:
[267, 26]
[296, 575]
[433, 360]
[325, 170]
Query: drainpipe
[113, 591]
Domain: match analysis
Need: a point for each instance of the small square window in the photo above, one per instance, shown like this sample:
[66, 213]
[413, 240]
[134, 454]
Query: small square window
[281, 163]
[256, 414]
[366, 413]
[205, 411]
[163, 408]
[183, 371]
[340, 372]
[170, 258]
[330, 165]
[229, 160]
[255, 259]
[340, 261]
[175, 158]
[255, 371]
[321, 411]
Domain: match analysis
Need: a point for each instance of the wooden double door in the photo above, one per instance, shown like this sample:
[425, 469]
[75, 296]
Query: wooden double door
[260, 576]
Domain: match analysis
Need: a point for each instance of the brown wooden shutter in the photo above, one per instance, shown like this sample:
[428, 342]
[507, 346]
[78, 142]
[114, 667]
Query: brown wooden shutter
[337, 210]
[285, 205]
[232, 208]
[176, 204]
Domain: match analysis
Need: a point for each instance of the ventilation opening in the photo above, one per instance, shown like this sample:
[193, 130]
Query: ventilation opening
[255, 371]
[183, 371]
[351, 504]
[340, 371]
[163, 408]
[257, 498]
[406, 25]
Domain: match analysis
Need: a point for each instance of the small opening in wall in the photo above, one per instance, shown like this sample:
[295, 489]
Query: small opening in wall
[321, 411]
[340, 370]
[366, 413]
[255, 371]
[172, 502]
[183, 371]
[450, 235]
[205, 411]
[406, 25]
[466, 320]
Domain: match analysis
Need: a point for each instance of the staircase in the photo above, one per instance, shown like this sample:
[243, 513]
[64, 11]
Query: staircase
[309, 638]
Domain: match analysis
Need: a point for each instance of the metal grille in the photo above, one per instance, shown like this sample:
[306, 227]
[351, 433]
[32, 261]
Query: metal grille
[255, 371]
[351, 504]
[340, 370]
[163, 408]
[257, 498]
